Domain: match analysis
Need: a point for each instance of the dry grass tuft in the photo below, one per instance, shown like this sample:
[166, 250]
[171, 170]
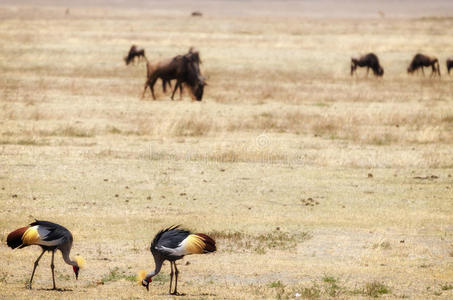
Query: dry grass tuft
[260, 243]
[192, 126]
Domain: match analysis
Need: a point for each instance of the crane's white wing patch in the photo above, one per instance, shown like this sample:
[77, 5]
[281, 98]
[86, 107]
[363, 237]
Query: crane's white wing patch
[180, 251]
[50, 243]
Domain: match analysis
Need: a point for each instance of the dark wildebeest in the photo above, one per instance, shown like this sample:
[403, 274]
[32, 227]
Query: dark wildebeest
[420, 61]
[192, 55]
[133, 53]
[449, 64]
[184, 68]
[197, 14]
[369, 60]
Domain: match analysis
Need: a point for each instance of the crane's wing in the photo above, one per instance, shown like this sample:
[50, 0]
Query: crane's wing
[168, 240]
[178, 242]
[46, 234]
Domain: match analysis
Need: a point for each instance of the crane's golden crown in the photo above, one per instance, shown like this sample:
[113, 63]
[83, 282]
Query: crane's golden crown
[80, 261]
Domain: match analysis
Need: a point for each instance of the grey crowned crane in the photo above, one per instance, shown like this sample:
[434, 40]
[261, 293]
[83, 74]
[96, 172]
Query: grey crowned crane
[173, 244]
[50, 237]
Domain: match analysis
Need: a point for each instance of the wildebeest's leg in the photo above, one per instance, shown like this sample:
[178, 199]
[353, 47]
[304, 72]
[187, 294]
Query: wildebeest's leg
[178, 82]
[180, 91]
[423, 71]
[169, 83]
[150, 82]
[151, 87]
[144, 90]
[367, 71]
[164, 85]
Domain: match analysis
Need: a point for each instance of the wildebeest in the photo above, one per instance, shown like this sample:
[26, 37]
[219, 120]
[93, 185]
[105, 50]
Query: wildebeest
[133, 53]
[449, 64]
[184, 68]
[197, 14]
[369, 60]
[420, 61]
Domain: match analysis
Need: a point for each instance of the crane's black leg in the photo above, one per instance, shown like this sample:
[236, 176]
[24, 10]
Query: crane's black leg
[52, 266]
[176, 280]
[171, 276]
[34, 268]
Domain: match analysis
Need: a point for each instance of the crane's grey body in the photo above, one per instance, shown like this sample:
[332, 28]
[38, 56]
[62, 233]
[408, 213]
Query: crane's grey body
[53, 236]
[165, 242]
[161, 247]
[50, 237]
[173, 244]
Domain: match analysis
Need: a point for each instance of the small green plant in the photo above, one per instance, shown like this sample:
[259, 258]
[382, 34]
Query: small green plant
[279, 289]
[64, 277]
[3, 277]
[375, 289]
[115, 274]
[446, 287]
[276, 284]
[131, 277]
[331, 288]
[160, 278]
[329, 279]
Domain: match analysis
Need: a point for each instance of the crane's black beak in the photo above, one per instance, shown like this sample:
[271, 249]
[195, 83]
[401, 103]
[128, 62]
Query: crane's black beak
[145, 283]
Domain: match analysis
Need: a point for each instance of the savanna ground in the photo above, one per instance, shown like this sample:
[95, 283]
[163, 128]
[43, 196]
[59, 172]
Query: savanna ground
[312, 182]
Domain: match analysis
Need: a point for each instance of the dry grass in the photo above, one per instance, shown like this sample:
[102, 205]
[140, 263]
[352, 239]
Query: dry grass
[282, 122]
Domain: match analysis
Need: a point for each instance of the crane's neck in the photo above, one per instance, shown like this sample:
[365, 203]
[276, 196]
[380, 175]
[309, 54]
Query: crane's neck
[68, 260]
[156, 271]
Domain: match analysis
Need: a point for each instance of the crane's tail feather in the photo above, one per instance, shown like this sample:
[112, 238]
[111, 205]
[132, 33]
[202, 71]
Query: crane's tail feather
[14, 239]
[199, 243]
[209, 243]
